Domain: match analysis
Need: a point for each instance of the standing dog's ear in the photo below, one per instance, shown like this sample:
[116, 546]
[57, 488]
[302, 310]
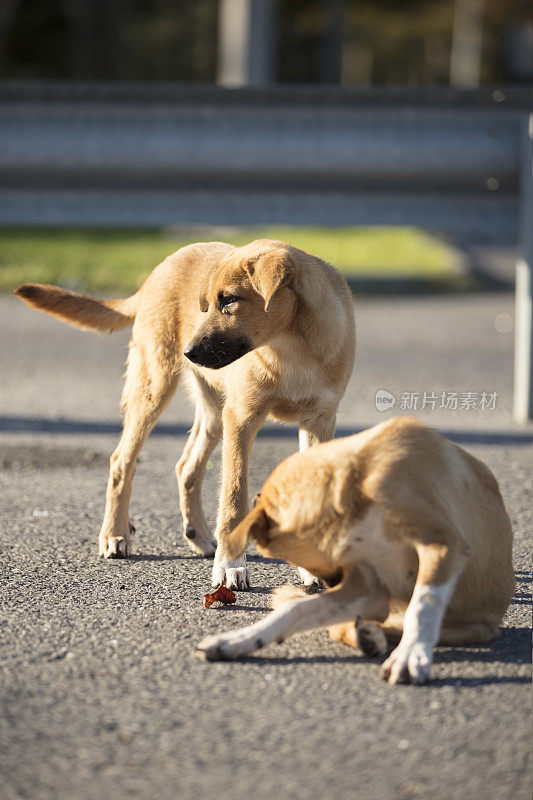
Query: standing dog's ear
[270, 272]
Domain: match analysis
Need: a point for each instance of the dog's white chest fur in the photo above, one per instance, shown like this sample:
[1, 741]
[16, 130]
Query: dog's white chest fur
[391, 558]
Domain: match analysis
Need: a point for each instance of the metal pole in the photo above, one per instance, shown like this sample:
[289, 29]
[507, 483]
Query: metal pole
[332, 41]
[523, 372]
[467, 41]
[245, 42]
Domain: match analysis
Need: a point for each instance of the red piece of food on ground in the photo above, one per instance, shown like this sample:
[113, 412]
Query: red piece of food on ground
[221, 594]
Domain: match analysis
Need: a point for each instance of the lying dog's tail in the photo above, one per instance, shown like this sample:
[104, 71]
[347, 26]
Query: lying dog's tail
[78, 309]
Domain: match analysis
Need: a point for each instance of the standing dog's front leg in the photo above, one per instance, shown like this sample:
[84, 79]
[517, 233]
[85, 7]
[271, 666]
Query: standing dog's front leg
[313, 431]
[190, 471]
[239, 431]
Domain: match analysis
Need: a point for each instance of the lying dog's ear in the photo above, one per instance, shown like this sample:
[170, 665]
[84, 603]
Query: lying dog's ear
[254, 525]
[203, 304]
[346, 495]
[270, 272]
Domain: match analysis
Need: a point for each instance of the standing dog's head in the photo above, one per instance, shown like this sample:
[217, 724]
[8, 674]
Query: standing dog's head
[249, 299]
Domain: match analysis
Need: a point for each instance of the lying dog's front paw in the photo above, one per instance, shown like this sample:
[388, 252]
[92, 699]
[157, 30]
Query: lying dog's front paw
[226, 646]
[114, 547]
[211, 649]
[233, 574]
[408, 664]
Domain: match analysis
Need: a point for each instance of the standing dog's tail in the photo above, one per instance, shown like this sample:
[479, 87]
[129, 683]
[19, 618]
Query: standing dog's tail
[78, 309]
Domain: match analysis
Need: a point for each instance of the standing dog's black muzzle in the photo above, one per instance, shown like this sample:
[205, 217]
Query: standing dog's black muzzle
[217, 351]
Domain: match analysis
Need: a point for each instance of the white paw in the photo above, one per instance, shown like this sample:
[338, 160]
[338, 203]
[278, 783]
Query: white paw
[408, 664]
[233, 574]
[199, 540]
[227, 646]
[114, 547]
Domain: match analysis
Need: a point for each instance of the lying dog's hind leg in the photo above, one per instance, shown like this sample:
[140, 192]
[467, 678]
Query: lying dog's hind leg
[365, 636]
[147, 390]
[374, 639]
[347, 601]
[190, 470]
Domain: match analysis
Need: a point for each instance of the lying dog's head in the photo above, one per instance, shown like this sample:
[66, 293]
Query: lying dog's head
[300, 510]
[248, 301]
[273, 541]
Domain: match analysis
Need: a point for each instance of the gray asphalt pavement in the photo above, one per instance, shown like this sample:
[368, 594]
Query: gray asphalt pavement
[101, 693]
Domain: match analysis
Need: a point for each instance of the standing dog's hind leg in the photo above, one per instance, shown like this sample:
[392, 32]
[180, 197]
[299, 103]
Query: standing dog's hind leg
[148, 388]
[315, 430]
[190, 471]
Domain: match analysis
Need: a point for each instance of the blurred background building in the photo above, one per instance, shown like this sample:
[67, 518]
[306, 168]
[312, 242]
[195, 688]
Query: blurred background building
[233, 42]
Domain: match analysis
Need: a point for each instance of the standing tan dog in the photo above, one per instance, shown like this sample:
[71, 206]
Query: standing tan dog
[409, 527]
[259, 331]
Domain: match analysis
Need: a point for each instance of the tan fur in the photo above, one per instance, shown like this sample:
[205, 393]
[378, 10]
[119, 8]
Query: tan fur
[295, 314]
[78, 309]
[283, 594]
[403, 513]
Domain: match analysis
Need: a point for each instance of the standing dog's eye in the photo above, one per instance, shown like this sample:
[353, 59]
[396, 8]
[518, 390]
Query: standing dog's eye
[226, 301]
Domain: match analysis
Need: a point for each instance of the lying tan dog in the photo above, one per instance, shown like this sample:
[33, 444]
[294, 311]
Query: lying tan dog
[410, 529]
[259, 331]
